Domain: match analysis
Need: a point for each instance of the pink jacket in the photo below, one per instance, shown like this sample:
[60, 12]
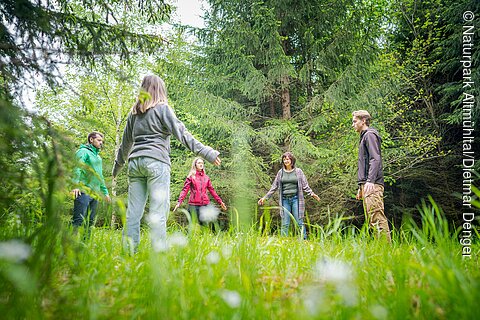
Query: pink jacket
[198, 186]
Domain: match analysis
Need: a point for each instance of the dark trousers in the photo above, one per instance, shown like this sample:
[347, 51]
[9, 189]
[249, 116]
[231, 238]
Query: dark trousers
[84, 210]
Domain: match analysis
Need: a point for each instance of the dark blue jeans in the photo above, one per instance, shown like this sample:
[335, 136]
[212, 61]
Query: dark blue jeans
[81, 213]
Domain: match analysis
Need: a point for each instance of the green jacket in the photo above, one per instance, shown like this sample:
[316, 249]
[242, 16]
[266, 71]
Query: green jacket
[89, 171]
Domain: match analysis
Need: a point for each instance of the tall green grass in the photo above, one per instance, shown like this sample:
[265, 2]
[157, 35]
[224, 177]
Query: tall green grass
[338, 273]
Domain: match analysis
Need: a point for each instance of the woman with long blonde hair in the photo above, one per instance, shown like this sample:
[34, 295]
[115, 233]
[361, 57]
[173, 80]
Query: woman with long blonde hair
[198, 183]
[146, 146]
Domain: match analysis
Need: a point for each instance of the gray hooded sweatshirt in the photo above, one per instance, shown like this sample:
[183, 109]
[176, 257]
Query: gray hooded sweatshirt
[148, 135]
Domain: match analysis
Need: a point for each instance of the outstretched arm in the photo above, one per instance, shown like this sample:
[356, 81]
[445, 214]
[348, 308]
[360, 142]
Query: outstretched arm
[178, 129]
[273, 188]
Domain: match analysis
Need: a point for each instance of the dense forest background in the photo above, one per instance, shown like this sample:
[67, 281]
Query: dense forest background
[261, 78]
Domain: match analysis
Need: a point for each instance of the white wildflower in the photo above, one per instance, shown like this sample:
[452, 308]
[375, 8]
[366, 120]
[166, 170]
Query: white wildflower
[213, 257]
[227, 251]
[177, 239]
[341, 276]
[14, 251]
[232, 298]
[159, 245]
[333, 271]
[209, 213]
[349, 294]
[379, 312]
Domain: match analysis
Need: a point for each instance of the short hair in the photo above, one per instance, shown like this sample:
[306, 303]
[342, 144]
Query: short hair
[290, 156]
[363, 115]
[93, 135]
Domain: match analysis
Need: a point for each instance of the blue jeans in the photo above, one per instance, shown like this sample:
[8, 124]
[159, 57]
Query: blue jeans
[148, 177]
[290, 206]
[81, 213]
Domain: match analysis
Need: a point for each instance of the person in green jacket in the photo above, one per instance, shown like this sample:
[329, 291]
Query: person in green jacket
[88, 176]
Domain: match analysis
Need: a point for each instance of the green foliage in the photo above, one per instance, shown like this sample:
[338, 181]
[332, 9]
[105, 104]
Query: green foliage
[222, 88]
[434, 226]
[334, 275]
[89, 103]
[31, 213]
[427, 44]
[90, 30]
[399, 60]
[347, 62]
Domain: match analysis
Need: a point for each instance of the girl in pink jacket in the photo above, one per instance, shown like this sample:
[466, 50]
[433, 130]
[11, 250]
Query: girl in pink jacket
[198, 183]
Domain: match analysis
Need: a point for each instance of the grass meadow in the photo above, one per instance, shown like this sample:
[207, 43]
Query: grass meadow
[339, 273]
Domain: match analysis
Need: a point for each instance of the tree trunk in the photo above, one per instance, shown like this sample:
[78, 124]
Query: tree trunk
[285, 98]
[272, 107]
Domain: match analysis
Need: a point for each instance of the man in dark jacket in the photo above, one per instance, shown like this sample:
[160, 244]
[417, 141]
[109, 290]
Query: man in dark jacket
[370, 172]
[88, 177]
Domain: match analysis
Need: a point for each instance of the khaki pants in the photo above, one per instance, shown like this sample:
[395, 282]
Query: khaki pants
[373, 204]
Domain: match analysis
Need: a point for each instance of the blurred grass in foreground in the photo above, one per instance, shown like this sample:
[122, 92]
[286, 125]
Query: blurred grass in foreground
[337, 274]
